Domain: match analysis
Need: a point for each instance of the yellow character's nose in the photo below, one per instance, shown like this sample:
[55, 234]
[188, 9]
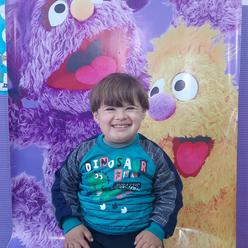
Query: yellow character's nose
[82, 9]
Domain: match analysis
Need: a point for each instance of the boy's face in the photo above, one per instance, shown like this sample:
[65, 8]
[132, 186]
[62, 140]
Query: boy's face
[120, 124]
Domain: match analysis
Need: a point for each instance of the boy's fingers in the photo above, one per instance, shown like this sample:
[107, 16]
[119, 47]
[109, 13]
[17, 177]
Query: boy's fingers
[138, 238]
[145, 246]
[88, 235]
[82, 243]
[140, 244]
[78, 245]
[66, 245]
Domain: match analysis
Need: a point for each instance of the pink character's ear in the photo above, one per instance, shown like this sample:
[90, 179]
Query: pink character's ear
[137, 5]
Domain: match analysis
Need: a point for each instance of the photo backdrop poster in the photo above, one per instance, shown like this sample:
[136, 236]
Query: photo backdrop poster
[5, 195]
[3, 68]
[186, 56]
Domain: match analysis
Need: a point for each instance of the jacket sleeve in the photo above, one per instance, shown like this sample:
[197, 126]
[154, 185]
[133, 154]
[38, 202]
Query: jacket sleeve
[64, 192]
[168, 192]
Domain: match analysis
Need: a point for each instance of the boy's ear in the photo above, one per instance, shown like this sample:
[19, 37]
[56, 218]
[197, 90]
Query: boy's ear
[95, 115]
[143, 114]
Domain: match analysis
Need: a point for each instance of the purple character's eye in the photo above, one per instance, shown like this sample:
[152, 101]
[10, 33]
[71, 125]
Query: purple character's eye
[53, 13]
[97, 1]
[57, 13]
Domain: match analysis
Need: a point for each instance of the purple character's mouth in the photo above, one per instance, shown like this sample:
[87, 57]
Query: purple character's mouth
[96, 58]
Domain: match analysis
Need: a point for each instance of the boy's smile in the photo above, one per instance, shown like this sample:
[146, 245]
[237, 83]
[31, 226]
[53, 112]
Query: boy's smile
[120, 124]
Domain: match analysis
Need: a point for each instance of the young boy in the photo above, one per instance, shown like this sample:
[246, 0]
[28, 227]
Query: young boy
[117, 189]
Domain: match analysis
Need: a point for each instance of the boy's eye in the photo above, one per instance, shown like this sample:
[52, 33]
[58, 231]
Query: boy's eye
[130, 108]
[110, 109]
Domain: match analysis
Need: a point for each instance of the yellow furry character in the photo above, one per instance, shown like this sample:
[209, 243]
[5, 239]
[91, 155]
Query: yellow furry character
[193, 117]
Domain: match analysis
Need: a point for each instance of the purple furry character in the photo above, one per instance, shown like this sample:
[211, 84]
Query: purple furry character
[57, 51]
[224, 16]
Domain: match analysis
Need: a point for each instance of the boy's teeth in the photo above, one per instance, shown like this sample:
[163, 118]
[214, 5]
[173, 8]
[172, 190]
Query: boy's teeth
[120, 126]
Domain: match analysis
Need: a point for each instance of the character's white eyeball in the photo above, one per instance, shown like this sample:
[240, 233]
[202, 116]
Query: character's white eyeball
[96, 176]
[184, 86]
[100, 177]
[97, 1]
[57, 13]
[158, 87]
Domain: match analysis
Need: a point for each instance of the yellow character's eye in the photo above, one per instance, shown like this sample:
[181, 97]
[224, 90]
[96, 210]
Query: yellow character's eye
[158, 87]
[57, 13]
[184, 86]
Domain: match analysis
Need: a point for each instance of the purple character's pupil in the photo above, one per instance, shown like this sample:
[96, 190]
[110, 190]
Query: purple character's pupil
[60, 8]
[154, 91]
[179, 85]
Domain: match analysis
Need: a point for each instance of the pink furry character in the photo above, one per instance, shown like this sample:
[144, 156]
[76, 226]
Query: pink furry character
[193, 117]
[57, 51]
[222, 15]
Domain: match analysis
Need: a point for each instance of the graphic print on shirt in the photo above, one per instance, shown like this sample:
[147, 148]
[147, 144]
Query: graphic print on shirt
[97, 181]
[115, 173]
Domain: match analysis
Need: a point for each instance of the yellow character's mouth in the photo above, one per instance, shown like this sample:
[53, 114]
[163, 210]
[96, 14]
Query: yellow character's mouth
[191, 153]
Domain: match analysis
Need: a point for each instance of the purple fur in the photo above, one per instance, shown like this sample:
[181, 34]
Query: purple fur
[62, 118]
[223, 15]
[57, 132]
[33, 220]
[34, 75]
[137, 5]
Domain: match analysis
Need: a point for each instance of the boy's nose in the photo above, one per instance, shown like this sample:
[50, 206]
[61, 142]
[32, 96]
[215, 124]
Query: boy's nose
[120, 114]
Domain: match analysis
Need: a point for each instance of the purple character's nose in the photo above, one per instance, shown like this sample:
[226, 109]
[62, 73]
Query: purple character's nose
[162, 106]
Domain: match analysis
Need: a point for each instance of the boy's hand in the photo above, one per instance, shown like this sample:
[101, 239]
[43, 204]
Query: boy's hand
[76, 237]
[147, 239]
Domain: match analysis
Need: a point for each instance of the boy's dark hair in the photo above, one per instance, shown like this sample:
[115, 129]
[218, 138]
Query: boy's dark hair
[116, 89]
